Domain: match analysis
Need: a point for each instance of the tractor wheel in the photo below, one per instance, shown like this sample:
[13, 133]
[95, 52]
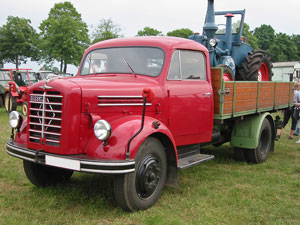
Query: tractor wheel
[227, 72]
[10, 103]
[1, 100]
[141, 189]
[41, 175]
[256, 67]
[25, 108]
[261, 153]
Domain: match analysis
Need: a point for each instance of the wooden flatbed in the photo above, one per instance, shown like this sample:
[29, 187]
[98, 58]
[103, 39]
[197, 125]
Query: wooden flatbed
[239, 98]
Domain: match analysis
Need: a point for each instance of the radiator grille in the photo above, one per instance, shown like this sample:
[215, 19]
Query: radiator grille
[45, 117]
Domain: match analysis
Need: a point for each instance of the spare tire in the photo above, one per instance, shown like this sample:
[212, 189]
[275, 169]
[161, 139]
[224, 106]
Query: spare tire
[256, 67]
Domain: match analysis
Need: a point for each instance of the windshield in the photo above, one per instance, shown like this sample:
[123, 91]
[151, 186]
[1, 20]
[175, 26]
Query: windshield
[138, 60]
[221, 23]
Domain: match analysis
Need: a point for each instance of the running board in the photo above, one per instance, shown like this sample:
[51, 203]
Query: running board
[193, 160]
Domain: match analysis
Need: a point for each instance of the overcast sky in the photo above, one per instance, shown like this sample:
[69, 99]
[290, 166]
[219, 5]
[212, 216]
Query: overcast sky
[163, 15]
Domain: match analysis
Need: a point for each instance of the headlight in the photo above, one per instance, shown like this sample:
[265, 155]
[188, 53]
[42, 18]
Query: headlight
[102, 130]
[15, 119]
[213, 42]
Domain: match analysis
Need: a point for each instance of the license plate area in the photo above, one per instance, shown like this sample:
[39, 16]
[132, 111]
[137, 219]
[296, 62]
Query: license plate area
[62, 162]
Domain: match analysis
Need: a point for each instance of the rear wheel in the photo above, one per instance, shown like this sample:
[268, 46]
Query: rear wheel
[10, 103]
[228, 74]
[41, 175]
[141, 189]
[256, 67]
[261, 153]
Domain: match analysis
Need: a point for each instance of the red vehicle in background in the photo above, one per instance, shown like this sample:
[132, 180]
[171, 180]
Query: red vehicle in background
[16, 90]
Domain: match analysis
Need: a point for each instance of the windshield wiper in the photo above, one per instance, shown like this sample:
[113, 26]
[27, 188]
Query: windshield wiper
[132, 71]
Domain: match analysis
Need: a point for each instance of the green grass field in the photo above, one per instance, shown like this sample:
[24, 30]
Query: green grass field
[221, 191]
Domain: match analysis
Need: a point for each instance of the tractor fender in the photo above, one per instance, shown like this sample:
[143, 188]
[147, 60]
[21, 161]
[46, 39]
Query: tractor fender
[122, 129]
[245, 133]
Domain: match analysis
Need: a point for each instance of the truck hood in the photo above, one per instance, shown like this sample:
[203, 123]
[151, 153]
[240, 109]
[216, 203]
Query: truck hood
[112, 93]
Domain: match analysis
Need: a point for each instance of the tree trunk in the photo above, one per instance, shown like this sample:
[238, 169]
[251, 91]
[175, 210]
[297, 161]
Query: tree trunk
[61, 65]
[65, 67]
[17, 62]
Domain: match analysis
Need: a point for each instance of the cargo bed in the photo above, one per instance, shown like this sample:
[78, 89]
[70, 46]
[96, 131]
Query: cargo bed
[239, 98]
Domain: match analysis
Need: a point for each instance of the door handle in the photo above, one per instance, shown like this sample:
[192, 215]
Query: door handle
[208, 94]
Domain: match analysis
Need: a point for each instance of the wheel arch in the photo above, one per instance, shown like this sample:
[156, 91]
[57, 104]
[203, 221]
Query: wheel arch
[245, 133]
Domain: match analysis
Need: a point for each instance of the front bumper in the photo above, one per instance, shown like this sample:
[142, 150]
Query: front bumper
[79, 162]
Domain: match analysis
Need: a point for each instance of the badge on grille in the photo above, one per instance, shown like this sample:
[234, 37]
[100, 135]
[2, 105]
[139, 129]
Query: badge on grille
[35, 98]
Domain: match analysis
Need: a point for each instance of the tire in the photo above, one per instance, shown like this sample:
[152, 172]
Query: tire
[141, 189]
[261, 153]
[228, 74]
[1, 100]
[13, 103]
[25, 108]
[41, 175]
[257, 66]
[240, 154]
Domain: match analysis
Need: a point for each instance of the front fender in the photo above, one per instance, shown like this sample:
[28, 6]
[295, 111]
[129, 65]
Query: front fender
[122, 130]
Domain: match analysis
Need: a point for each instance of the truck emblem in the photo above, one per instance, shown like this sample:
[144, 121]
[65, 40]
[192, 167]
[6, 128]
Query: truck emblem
[35, 98]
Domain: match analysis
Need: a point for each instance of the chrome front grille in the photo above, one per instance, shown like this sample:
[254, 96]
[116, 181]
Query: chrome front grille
[45, 116]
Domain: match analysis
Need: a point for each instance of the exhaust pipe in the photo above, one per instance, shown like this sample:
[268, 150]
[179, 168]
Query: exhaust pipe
[210, 26]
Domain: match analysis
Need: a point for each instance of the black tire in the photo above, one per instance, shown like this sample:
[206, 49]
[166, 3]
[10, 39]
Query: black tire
[141, 189]
[25, 108]
[12, 105]
[255, 62]
[240, 154]
[41, 175]
[1, 100]
[261, 153]
[227, 70]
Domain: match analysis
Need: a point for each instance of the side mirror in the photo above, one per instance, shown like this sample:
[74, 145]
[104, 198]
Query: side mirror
[148, 94]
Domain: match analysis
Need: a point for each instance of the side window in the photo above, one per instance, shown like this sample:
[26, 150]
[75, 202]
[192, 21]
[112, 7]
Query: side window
[192, 65]
[187, 65]
[174, 70]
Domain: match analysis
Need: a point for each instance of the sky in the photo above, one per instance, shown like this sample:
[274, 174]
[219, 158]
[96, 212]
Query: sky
[163, 15]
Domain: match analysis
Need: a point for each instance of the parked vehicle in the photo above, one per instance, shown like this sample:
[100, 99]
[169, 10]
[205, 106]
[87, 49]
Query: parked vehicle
[222, 35]
[141, 109]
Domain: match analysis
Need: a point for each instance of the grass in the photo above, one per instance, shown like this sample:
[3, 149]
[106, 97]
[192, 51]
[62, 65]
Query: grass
[221, 191]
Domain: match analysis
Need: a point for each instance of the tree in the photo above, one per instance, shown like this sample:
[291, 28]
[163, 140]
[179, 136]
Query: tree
[296, 40]
[64, 36]
[148, 31]
[184, 33]
[251, 39]
[18, 40]
[106, 29]
[265, 35]
[283, 48]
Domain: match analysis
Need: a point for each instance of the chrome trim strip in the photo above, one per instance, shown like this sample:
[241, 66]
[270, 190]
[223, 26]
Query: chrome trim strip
[108, 171]
[46, 110]
[44, 132]
[58, 96]
[108, 164]
[47, 118]
[46, 103]
[123, 104]
[36, 138]
[53, 141]
[20, 150]
[18, 156]
[109, 96]
[46, 125]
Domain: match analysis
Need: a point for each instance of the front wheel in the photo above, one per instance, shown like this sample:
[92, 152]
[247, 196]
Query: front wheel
[41, 175]
[141, 189]
[25, 108]
[261, 153]
[10, 103]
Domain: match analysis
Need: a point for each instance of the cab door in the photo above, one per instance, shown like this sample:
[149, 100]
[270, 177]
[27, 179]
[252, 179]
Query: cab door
[190, 99]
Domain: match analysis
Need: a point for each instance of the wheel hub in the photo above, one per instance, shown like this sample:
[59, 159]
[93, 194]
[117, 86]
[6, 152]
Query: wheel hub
[148, 176]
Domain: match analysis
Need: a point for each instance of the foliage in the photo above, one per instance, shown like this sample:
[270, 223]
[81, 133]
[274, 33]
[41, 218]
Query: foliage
[283, 48]
[184, 33]
[106, 29]
[148, 31]
[265, 35]
[18, 40]
[64, 35]
[251, 39]
[296, 40]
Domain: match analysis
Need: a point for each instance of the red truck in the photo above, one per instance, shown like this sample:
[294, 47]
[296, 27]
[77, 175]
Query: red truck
[142, 109]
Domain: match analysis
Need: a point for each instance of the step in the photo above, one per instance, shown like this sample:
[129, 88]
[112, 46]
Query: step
[193, 160]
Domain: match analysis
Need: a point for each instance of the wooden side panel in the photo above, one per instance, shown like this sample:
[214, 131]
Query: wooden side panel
[228, 98]
[282, 94]
[216, 84]
[245, 98]
[266, 95]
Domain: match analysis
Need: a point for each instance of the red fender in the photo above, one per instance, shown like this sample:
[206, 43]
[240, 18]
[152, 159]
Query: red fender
[122, 130]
